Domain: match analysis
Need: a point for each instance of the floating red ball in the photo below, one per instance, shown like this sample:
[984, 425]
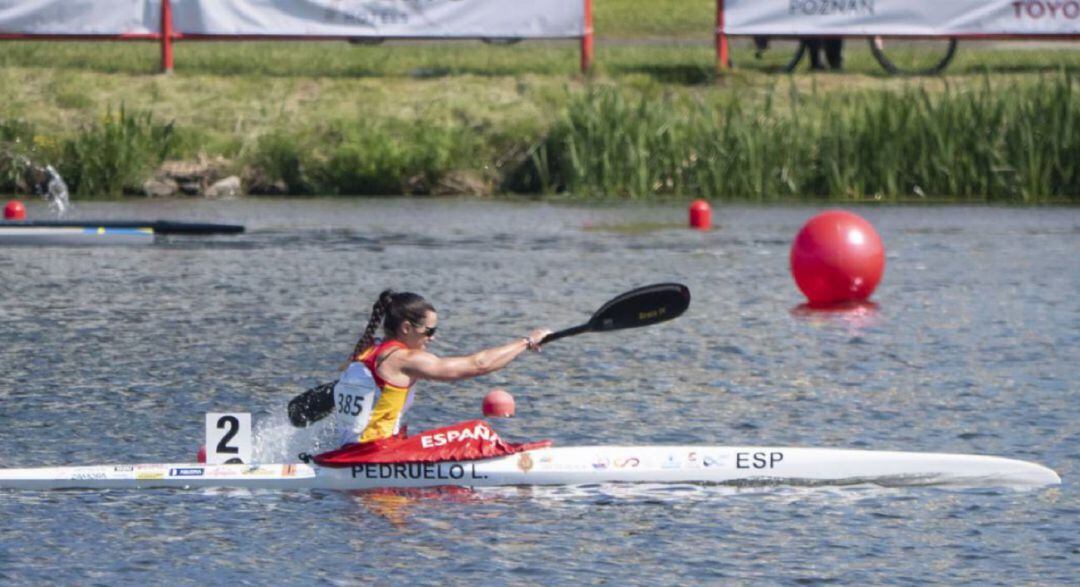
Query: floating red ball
[499, 404]
[700, 215]
[837, 257]
[15, 210]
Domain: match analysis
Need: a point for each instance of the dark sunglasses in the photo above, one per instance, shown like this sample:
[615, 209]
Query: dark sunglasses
[428, 331]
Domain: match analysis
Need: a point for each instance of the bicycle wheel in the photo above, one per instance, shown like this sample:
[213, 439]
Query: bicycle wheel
[796, 57]
[913, 56]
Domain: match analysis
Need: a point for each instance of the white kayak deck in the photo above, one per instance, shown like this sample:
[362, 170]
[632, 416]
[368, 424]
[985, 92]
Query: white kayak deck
[730, 465]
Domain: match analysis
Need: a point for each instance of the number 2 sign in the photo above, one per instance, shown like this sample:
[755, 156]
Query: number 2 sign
[228, 438]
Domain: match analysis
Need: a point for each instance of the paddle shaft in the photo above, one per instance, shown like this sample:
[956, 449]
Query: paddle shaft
[567, 332]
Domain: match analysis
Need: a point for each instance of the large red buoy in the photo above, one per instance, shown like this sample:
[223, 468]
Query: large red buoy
[15, 210]
[499, 404]
[201, 455]
[700, 215]
[837, 257]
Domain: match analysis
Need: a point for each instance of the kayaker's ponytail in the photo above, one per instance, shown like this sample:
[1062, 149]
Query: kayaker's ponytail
[391, 310]
[378, 312]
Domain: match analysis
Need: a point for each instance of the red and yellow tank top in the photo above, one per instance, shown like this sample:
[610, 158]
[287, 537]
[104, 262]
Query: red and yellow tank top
[393, 401]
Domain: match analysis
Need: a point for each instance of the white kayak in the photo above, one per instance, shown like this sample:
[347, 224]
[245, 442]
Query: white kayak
[726, 465]
[71, 235]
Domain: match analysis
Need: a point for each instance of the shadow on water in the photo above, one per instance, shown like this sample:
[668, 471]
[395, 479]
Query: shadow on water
[395, 505]
[399, 506]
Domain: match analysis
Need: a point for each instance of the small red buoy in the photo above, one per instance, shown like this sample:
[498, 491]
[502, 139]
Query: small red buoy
[15, 210]
[202, 454]
[837, 257]
[498, 404]
[700, 215]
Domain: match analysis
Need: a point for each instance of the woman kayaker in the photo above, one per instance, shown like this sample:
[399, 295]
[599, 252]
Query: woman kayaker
[375, 390]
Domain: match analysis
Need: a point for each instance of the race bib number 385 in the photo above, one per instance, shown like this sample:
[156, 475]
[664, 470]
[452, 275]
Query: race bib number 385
[352, 404]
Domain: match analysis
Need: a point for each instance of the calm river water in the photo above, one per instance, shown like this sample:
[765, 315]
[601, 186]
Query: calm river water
[114, 354]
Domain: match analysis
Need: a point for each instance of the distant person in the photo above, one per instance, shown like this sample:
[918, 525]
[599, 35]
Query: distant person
[833, 48]
[761, 45]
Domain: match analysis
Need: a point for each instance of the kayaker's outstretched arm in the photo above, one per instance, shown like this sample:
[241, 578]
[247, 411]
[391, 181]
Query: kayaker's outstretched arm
[424, 365]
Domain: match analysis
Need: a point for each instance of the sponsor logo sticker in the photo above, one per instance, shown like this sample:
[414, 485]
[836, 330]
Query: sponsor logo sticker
[525, 462]
[186, 472]
[258, 470]
[627, 463]
[223, 471]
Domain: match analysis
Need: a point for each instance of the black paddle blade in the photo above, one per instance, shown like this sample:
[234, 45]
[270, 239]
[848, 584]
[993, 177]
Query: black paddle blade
[643, 306]
[312, 405]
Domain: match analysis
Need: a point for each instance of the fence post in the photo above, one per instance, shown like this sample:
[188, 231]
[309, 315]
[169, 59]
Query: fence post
[723, 55]
[166, 37]
[587, 40]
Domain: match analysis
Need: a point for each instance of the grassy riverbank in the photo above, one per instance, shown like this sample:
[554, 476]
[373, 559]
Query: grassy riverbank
[652, 120]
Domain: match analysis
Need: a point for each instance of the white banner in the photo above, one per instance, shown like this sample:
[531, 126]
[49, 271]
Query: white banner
[80, 17]
[382, 18]
[351, 18]
[902, 17]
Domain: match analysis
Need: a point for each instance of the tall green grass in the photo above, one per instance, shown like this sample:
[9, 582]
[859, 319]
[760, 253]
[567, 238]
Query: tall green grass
[16, 144]
[365, 157]
[979, 142]
[115, 153]
[1017, 144]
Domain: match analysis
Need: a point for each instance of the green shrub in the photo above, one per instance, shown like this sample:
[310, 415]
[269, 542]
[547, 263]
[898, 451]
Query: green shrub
[279, 157]
[364, 158]
[16, 143]
[115, 154]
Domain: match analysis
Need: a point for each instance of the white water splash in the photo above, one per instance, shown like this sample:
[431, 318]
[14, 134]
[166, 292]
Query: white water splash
[277, 441]
[48, 184]
[56, 192]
